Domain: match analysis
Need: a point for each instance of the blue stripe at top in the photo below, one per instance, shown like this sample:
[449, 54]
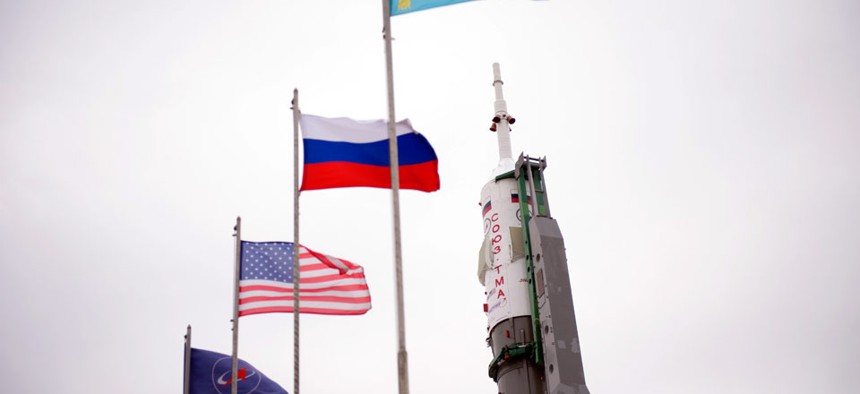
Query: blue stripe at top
[412, 148]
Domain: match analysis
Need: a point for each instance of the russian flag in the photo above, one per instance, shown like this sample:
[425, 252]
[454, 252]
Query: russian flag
[515, 197]
[343, 152]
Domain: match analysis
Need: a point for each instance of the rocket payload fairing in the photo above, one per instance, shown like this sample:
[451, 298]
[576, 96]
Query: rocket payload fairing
[522, 264]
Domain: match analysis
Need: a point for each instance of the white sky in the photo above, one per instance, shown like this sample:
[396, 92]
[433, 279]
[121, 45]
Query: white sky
[703, 166]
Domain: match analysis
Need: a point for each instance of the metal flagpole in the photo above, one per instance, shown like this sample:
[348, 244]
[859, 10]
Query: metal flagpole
[186, 378]
[402, 366]
[238, 235]
[296, 272]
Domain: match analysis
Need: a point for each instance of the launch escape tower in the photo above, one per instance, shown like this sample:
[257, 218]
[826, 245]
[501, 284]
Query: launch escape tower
[522, 264]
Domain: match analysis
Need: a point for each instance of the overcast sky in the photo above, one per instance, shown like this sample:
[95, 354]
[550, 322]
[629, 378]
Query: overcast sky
[703, 166]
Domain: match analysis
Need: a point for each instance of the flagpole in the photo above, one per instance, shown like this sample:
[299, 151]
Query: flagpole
[186, 378]
[238, 235]
[402, 366]
[296, 272]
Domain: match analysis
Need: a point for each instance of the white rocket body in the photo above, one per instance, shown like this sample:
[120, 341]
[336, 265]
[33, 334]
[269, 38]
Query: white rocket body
[504, 264]
[503, 271]
[502, 268]
[531, 326]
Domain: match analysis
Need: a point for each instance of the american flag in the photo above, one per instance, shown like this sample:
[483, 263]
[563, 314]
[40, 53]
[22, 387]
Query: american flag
[328, 285]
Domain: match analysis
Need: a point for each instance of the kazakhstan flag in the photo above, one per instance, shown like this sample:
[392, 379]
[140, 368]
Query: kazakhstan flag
[403, 6]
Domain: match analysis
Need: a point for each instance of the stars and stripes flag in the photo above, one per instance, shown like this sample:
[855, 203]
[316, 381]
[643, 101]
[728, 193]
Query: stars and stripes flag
[327, 285]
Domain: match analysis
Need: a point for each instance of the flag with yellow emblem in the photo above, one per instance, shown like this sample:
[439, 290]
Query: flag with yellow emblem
[403, 6]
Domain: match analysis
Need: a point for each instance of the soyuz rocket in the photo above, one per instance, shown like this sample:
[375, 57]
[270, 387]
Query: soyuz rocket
[522, 264]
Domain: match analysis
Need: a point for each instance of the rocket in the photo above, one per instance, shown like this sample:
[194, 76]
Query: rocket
[523, 267]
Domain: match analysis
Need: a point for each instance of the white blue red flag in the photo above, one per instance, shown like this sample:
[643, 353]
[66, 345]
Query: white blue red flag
[212, 373]
[403, 6]
[327, 285]
[342, 152]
